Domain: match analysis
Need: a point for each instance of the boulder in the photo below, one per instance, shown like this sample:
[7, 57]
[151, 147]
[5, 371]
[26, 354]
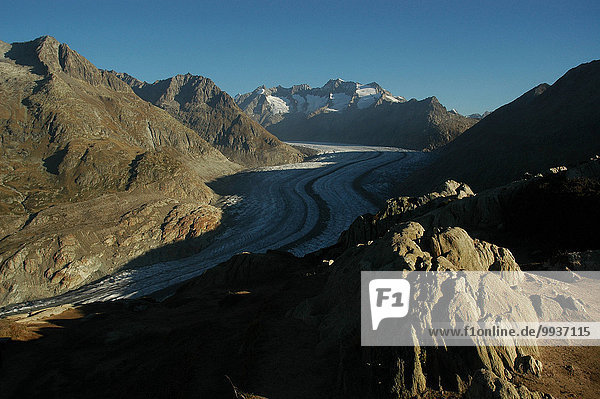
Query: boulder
[528, 365]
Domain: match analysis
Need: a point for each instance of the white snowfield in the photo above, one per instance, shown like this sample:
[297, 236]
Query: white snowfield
[278, 105]
[367, 96]
[393, 99]
[365, 90]
[297, 207]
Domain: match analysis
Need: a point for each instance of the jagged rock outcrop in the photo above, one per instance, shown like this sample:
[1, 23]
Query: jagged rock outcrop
[409, 246]
[514, 216]
[199, 104]
[529, 365]
[369, 227]
[349, 112]
[80, 154]
[545, 127]
[418, 234]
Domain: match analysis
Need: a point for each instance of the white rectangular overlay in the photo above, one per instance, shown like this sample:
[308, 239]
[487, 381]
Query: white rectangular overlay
[468, 308]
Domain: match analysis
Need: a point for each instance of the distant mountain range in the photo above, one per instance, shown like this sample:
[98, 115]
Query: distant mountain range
[548, 126]
[271, 105]
[350, 112]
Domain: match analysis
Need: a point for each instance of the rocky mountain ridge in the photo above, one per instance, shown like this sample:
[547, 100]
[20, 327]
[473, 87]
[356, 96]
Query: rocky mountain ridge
[199, 104]
[351, 112]
[479, 116]
[86, 128]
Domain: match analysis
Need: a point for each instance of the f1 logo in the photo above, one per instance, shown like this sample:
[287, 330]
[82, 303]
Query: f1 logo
[389, 299]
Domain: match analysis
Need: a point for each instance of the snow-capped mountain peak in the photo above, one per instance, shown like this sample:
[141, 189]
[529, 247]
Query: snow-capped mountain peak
[337, 95]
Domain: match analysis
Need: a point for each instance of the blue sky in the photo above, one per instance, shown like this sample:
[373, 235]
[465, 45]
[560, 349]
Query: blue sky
[473, 56]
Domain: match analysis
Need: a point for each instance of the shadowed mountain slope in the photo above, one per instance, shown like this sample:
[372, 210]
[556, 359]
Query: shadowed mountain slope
[545, 127]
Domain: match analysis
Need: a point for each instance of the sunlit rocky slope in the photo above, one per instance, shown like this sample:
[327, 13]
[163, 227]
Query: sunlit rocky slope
[92, 176]
[199, 104]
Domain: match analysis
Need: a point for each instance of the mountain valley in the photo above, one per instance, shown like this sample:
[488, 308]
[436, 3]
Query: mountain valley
[167, 240]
